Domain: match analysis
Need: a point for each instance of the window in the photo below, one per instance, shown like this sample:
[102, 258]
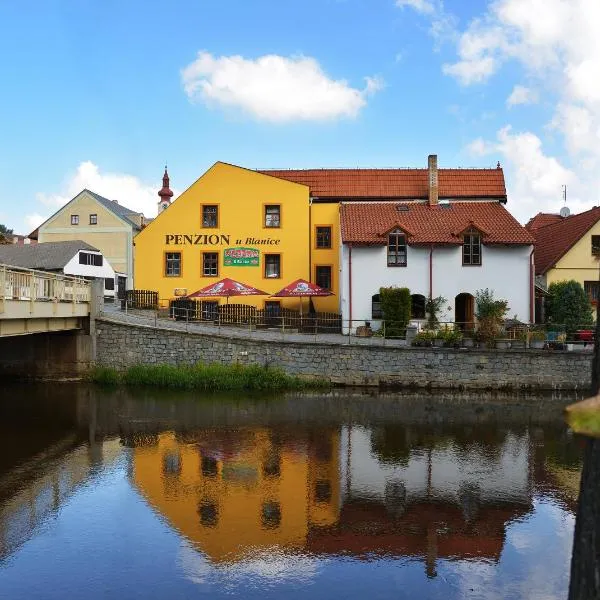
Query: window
[210, 215]
[210, 264]
[272, 215]
[209, 513]
[109, 284]
[272, 266]
[171, 463]
[94, 260]
[591, 289]
[74, 219]
[417, 306]
[323, 491]
[173, 264]
[323, 277]
[271, 515]
[323, 237]
[93, 219]
[272, 464]
[596, 245]
[210, 310]
[472, 248]
[376, 312]
[396, 249]
[209, 466]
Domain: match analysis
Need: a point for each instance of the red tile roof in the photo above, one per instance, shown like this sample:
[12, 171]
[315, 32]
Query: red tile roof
[553, 241]
[396, 183]
[368, 223]
[541, 220]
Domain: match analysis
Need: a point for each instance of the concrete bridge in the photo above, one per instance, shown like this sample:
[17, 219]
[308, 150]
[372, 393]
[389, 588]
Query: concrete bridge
[45, 322]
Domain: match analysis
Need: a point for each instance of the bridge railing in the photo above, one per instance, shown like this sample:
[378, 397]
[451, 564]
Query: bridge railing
[31, 285]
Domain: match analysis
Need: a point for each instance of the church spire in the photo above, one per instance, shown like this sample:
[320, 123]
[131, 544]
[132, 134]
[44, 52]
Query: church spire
[165, 193]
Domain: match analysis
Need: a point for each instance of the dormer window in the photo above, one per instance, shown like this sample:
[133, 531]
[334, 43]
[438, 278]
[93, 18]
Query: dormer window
[396, 255]
[472, 248]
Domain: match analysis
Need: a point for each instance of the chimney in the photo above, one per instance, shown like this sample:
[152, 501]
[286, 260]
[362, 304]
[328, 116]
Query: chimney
[433, 179]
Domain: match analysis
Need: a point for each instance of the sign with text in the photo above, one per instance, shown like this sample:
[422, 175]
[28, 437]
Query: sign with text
[241, 257]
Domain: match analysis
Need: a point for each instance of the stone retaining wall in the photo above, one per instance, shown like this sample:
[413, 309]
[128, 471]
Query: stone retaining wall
[120, 345]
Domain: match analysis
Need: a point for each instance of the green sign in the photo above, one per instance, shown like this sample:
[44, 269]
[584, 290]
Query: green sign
[241, 257]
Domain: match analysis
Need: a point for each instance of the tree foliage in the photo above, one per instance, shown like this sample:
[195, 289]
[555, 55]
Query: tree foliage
[4, 234]
[433, 306]
[490, 314]
[396, 306]
[567, 304]
[5, 229]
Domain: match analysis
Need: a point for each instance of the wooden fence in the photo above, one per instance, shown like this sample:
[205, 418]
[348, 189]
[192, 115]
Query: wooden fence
[184, 309]
[144, 299]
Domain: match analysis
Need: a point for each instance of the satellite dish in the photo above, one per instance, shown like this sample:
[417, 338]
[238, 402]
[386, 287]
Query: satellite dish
[564, 211]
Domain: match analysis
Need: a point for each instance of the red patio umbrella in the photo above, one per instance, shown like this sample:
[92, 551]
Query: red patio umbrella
[225, 288]
[301, 289]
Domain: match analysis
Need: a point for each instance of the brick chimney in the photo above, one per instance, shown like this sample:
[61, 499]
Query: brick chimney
[433, 179]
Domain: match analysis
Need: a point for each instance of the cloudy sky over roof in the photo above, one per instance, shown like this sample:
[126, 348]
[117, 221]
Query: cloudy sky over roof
[103, 93]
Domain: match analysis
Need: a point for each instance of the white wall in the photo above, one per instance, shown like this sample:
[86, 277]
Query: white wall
[74, 268]
[504, 269]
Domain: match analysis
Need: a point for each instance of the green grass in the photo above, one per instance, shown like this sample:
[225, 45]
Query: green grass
[214, 378]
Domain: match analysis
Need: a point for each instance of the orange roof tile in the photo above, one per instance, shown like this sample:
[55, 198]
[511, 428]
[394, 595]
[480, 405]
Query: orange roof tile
[541, 220]
[363, 222]
[396, 183]
[553, 241]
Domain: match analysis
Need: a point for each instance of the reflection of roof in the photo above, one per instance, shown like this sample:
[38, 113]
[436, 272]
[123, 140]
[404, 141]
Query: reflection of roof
[49, 256]
[366, 527]
[553, 241]
[369, 223]
[396, 183]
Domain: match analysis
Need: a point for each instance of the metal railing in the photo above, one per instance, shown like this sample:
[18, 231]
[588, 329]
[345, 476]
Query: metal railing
[30, 285]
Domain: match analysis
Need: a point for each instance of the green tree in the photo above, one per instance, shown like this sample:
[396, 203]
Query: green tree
[5, 232]
[4, 229]
[490, 314]
[567, 304]
[396, 307]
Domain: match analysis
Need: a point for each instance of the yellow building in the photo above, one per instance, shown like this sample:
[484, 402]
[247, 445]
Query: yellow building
[102, 223]
[232, 492]
[246, 225]
[568, 247]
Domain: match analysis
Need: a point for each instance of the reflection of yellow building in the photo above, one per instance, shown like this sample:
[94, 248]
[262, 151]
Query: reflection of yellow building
[231, 496]
[237, 223]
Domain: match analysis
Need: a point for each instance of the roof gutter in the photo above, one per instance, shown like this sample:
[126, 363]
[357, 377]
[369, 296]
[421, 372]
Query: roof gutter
[532, 286]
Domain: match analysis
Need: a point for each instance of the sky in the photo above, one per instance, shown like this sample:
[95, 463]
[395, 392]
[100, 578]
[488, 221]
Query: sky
[101, 94]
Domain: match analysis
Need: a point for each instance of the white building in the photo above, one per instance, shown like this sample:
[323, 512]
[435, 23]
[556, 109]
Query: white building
[75, 258]
[447, 245]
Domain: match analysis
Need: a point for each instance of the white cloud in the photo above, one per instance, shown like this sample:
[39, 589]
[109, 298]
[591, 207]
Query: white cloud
[522, 95]
[126, 189]
[274, 88]
[422, 6]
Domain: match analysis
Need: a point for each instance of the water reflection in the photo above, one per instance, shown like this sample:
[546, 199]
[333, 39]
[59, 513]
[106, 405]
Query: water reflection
[287, 489]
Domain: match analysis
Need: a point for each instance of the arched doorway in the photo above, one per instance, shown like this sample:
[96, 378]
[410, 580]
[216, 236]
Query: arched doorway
[464, 310]
[417, 306]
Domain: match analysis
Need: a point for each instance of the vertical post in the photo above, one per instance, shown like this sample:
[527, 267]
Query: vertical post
[31, 291]
[2, 288]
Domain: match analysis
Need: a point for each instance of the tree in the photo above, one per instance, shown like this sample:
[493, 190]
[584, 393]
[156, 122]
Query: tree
[490, 314]
[568, 304]
[5, 232]
[396, 305]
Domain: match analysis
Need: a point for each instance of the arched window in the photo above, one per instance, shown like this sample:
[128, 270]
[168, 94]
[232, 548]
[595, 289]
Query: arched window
[417, 306]
[396, 248]
[472, 248]
[376, 312]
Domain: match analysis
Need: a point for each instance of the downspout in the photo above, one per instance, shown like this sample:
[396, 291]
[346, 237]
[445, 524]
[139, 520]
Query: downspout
[531, 287]
[350, 286]
[431, 272]
[310, 201]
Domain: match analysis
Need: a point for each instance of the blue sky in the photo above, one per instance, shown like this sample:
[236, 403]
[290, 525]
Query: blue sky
[100, 94]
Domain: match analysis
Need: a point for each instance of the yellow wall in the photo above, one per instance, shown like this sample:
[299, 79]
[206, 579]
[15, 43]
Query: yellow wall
[239, 489]
[578, 263]
[110, 235]
[241, 195]
[327, 214]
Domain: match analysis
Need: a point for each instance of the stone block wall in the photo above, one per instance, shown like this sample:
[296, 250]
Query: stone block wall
[121, 345]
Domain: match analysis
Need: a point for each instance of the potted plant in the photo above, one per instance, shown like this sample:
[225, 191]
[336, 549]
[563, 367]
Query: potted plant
[440, 338]
[424, 339]
[537, 340]
[503, 344]
[520, 341]
[468, 340]
[453, 338]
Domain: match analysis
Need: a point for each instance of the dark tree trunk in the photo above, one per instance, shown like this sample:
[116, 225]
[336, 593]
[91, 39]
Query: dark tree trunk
[585, 562]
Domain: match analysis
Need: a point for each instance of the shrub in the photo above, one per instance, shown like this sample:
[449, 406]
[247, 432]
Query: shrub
[396, 305]
[568, 304]
[490, 314]
[432, 308]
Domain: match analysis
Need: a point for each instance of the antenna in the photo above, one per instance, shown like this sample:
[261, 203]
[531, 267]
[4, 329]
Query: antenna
[564, 190]
[564, 211]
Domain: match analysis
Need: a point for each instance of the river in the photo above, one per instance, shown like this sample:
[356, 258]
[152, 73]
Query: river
[151, 494]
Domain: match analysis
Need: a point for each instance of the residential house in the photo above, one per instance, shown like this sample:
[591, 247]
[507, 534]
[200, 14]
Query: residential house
[76, 258]
[568, 247]
[103, 223]
[447, 246]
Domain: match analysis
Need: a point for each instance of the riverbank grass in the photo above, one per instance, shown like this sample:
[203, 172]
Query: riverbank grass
[215, 378]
